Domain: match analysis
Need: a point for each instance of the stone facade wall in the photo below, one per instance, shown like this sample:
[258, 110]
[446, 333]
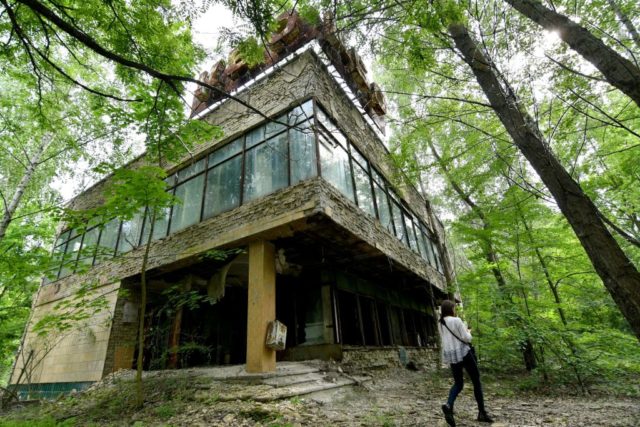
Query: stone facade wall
[357, 358]
[344, 212]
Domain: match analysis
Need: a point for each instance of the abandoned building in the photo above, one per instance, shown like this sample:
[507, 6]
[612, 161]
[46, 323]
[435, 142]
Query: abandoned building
[296, 215]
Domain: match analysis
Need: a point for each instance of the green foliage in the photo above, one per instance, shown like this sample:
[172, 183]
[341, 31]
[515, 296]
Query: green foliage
[251, 51]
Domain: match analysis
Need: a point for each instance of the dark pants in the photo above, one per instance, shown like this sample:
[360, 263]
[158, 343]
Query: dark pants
[470, 365]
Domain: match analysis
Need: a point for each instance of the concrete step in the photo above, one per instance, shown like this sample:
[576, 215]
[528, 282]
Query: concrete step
[288, 380]
[301, 389]
[237, 373]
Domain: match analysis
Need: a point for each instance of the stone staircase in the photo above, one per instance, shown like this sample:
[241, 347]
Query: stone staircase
[290, 379]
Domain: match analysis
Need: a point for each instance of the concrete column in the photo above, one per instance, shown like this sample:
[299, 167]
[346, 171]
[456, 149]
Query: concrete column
[261, 307]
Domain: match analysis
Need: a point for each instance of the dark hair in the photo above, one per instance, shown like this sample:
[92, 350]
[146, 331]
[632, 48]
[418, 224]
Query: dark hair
[447, 308]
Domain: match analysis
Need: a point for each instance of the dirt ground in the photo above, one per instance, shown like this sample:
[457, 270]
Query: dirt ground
[396, 397]
[406, 398]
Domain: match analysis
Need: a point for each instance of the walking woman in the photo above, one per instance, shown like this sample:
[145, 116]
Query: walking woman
[456, 351]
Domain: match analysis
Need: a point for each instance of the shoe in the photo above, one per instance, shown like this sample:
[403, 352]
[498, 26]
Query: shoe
[448, 415]
[483, 417]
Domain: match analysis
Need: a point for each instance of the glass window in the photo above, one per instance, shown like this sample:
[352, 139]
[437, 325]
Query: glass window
[171, 180]
[383, 207]
[255, 136]
[358, 157]
[130, 233]
[363, 190]
[413, 241]
[89, 246]
[57, 256]
[429, 243]
[223, 187]
[422, 245]
[331, 128]
[396, 213]
[161, 223]
[225, 152]
[301, 113]
[303, 153]
[190, 170]
[438, 258]
[70, 256]
[108, 239]
[334, 164]
[188, 212]
[266, 168]
[275, 127]
[62, 238]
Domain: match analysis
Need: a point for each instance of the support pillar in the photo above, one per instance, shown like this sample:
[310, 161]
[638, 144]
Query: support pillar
[261, 307]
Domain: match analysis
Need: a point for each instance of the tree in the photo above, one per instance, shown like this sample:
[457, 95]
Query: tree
[619, 71]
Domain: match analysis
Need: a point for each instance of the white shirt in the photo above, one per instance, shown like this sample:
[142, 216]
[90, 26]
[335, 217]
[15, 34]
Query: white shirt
[453, 350]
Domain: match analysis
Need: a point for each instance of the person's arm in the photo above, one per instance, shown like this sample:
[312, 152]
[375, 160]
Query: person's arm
[462, 331]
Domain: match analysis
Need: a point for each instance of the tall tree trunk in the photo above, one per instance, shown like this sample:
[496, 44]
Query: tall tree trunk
[620, 276]
[624, 19]
[618, 71]
[10, 208]
[488, 249]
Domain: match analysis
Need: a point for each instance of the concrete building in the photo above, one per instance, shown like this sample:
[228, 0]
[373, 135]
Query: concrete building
[315, 226]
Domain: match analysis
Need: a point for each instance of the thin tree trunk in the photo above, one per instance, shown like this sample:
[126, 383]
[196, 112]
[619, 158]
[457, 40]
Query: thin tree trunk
[624, 19]
[10, 209]
[489, 252]
[545, 269]
[143, 309]
[619, 71]
[620, 276]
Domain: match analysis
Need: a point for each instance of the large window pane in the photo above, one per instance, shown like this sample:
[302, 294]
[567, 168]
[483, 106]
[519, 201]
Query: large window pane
[413, 242]
[331, 128]
[226, 152]
[436, 252]
[303, 153]
[160, 226]
[334, 164]
[276, 126]
[223, 187]
[108, 239]
[398, 223]
[57, 256]
[255, 136]
[130, 233]
[384, 214]
[363, 190]
[188, 212]
[301, 113]
[429, 244]
[89, 246]
[266, 168]
[422, 244]
[70, 256]
[190, 170]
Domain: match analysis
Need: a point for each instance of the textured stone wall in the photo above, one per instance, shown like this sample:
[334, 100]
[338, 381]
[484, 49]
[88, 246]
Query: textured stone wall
[357, 358]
